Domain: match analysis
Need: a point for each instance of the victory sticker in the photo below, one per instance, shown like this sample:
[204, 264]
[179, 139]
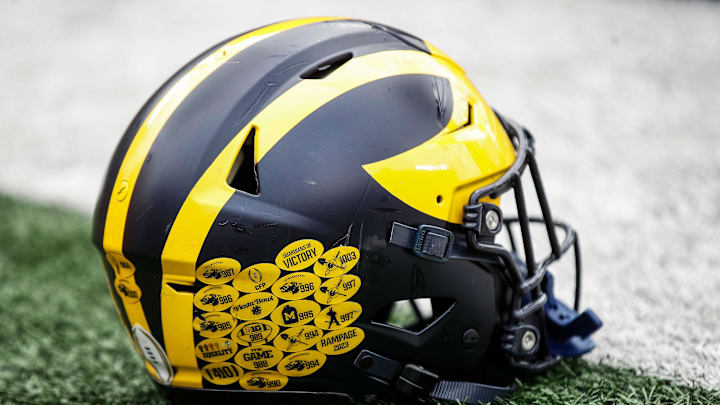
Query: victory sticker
[215, 350]
[255, 332]
[295, 286]
[214, 324]
[299, 255]
[215, 297]
[128, 290]
[265, 380]
[256, 278]
[218, 271]
[258, 357]
[337, 261]
[222, 373]
[337, 290]
[298, 338]
[254, 306]
[341, 341]
[302, 363]
[295, 313]
[338, 316]
[122, 266]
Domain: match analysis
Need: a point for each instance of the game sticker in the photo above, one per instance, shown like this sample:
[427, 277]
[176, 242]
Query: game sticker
[338, 316]
[218, 271]
[255, 332]
[265, 380]
[302, 363]
[216, 350]
[153, 354]
[298, 338]
[256, 278]
[215, 297]
[295, 313]
[254, 306]
[337, 290]
[341, 341]
[258, 357]
[296, 286]
[336, 261]
[222, 373]
[299, 255]
[128, 290]
[214, 324]
[122, 266]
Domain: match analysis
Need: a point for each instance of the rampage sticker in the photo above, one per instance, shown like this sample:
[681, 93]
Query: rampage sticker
[302, 363]
[338, 316]
[298, 338]
[265, 380]
[216, 350]
[258, 357]
[295, 313]
[254, 306]
[299, 255]
[341, 341]
[214, 324]
[296, 286]
[218, 271]
[257, 277]
[255, 332]
[222, 373]
[338, 289]
[215, 298]
[337, 261]
[128, 290]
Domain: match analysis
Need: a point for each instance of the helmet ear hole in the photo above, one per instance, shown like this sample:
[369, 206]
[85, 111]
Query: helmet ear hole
[414, 314]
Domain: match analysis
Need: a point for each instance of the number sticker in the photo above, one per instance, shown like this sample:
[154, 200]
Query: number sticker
[265, 380]
[296, 286]
[302, 363]
[336, 261]
[255, 332]
[298, 338]
[215, 297]
[218, 271]
[222, 373]
[295, 313]
[214, 324]
[338, 316]
[337, 290]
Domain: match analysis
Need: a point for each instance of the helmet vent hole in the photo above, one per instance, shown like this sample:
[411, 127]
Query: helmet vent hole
[414, 315]
[244, 174]
[324, 68]
[439, 199]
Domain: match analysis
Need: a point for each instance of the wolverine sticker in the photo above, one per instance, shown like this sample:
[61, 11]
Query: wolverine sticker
[214, 324]
[255, 332]
[215, 297]
[302, 363]
[265, 380]
[254, 306]
[216, 350]
[336, 261]
[258, 357]
[218, 271]
[337, 290]
[257, 277]
[341, 341]
[295, 313]
[221, 373]
[299, 255]
[295, 286]
[128, 290]
[298, 338]
[338, 316]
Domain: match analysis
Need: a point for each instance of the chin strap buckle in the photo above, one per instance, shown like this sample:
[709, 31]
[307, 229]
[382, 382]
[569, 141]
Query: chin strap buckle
[415, 381]
[426, 241]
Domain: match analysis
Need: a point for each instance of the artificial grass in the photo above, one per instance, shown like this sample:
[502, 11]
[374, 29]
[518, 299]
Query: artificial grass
[61, 341]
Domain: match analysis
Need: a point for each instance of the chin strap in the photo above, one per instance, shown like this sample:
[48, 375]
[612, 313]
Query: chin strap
[422, 385]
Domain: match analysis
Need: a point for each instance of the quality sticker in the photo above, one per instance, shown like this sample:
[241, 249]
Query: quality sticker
[337, 290]
[265, 380]
[295, 313]
[254, 306]
[218, 271]
[299, 255]
[255, 332]
[338, 316]
[256, 278]
[341, 341]
[302, 363]
[214, 324]
[336, 261]
[298, 338]
[222, 373]
[216, 350]
[215, 297]
[128, 290]
[296, 286]
[258, 357]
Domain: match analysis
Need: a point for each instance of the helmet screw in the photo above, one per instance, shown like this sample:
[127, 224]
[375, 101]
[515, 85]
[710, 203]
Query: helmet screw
[528, 340]
[470, 338]
[365, 362]
[492, 220]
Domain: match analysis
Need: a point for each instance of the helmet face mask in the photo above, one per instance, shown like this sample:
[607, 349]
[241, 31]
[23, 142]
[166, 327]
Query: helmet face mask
[278, 199]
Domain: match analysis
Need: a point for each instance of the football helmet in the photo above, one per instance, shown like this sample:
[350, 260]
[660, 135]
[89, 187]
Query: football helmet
[312, 208]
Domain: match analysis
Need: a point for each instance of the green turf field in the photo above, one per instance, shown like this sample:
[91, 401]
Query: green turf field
[61, 341]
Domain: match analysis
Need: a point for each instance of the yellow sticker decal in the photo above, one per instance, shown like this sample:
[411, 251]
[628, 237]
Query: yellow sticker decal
[128, 290]
[264, 380]
[215, 297]
[214, 324]
[122, 266]
[254, 306]
[302, 363]
[296, 286]
[299, 255]
[255, 332]
[218, 271]
[341, 341]
[222, 373]
[338, 316]
[337, 261]
[258, 357]
[256, 278]
[216, 350]
[298, 338]
[295, 313]
[337, 290]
